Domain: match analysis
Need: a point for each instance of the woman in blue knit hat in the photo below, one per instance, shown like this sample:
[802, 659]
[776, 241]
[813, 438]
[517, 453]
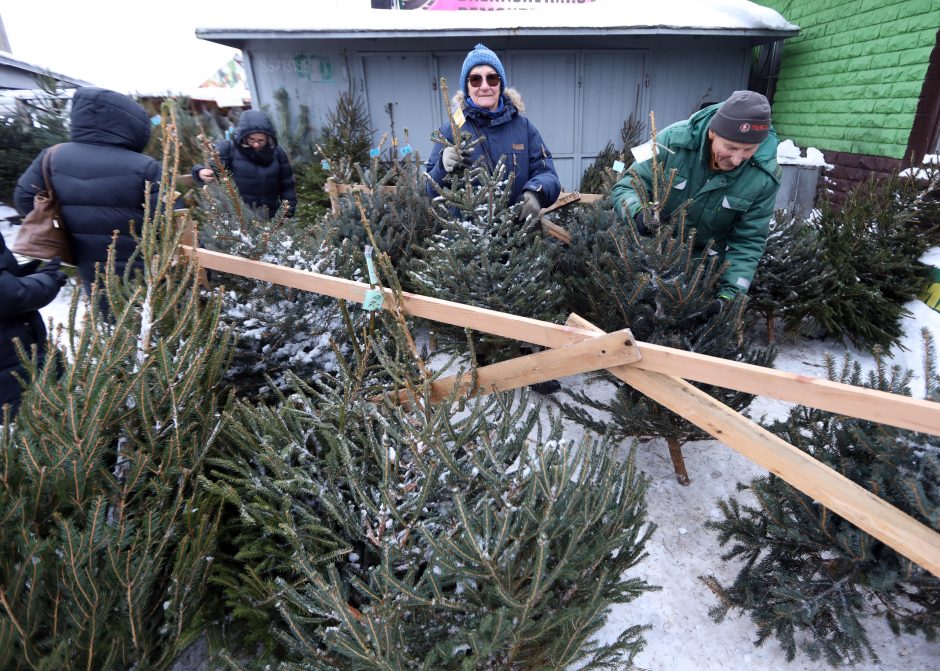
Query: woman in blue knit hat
[494, 111]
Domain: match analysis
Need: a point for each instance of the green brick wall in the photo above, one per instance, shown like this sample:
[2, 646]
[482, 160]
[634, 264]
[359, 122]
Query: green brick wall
[851, 81]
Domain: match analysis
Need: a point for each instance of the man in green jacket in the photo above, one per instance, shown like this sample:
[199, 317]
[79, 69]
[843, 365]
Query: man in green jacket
[725, 158]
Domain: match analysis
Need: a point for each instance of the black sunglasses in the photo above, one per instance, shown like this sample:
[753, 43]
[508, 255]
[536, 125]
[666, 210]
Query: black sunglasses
[476, 80]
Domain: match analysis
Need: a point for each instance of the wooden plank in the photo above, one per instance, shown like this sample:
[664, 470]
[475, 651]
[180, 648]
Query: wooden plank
[555, 231]
[480, 319]
[891, 409]
[914, 540]
[877, 406]
[611, 349]
[563, 199]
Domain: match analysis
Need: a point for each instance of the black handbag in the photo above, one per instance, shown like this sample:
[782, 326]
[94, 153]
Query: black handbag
[42, 233]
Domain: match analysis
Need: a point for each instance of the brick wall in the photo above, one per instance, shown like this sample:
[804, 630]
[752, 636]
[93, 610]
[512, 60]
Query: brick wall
[852, 80]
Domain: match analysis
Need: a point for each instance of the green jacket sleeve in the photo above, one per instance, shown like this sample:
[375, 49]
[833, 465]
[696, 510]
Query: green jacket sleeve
[746, 243]
[624, 195]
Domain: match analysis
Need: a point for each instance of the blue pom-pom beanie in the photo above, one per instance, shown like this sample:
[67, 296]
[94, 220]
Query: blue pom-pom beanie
[481, 56]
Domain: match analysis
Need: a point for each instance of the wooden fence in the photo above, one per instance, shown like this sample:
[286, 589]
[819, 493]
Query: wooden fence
[662, 374]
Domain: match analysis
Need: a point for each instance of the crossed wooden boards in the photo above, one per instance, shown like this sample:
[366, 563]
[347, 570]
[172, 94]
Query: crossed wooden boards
[661, 373]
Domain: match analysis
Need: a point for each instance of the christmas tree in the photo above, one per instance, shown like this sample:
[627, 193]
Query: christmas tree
[792, 273]
[482, 256]
[399, 218]
[807, 577]
[462, 535]
[889, 224]
[107, 537]
[663, 289]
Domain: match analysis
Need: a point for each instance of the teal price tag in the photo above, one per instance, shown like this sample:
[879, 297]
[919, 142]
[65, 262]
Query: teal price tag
[374, 297]
[406, 150]
[619, 166]
[325, 164]
[374, 152]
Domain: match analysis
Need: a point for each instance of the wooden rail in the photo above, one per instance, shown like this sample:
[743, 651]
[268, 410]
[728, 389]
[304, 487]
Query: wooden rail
[657, 372]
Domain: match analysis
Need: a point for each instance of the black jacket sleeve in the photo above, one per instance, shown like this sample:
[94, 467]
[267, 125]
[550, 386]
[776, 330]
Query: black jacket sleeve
[28, 184]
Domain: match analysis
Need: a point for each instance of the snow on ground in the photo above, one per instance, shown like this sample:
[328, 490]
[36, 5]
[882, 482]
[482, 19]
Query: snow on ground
[683, 637]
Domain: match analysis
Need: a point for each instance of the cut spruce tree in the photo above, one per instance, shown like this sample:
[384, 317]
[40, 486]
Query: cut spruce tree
[807, 577]
[483, 257]
[461, 535]
[847, 272]
[108, 538]
[665, 291]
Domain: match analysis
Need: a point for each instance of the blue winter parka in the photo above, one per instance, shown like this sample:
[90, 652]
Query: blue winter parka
[507, 133]
[100, 177]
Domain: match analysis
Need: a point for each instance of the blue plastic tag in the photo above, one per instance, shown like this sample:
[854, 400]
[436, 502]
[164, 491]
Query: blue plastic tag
[374, 297]
[405, 150]
[374, 152]
[619, 166]
[325, 164]
[155, 120]
[374, 300]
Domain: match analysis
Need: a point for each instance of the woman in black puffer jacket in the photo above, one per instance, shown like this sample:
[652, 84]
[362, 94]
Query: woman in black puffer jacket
[260, 168]
[25, 288]
[100, 177]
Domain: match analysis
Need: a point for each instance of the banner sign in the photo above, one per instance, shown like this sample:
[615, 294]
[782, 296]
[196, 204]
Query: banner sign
[479, 5]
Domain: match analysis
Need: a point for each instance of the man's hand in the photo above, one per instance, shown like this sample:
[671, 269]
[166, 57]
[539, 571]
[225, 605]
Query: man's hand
[719, 304]
[645, 219]
[530, 206]
[207, 175]
[451, 159]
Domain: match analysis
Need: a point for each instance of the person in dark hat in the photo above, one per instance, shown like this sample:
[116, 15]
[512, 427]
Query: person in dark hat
[493, 110]
[725, 158]
[101, 178]
[258, 164]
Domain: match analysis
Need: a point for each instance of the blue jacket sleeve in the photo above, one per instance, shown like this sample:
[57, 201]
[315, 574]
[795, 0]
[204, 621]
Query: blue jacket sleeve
[543, 180]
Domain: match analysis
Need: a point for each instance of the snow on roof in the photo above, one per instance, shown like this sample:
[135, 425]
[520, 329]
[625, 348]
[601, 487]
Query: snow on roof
[605, 16]
[789, 154]
[8, 60]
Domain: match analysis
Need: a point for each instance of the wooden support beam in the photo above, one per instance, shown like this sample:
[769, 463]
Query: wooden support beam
[480, 319]
[877, 406]
[914, 540]
[891, 409]
[555, 231]
[610, 349]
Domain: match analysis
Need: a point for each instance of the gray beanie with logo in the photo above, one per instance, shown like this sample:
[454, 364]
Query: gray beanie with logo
[744, 117]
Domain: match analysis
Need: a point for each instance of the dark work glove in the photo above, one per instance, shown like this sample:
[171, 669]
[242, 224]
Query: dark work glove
[52, 270]
[530, 206]
[719, 304]
[642, 218]
[28, 268]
